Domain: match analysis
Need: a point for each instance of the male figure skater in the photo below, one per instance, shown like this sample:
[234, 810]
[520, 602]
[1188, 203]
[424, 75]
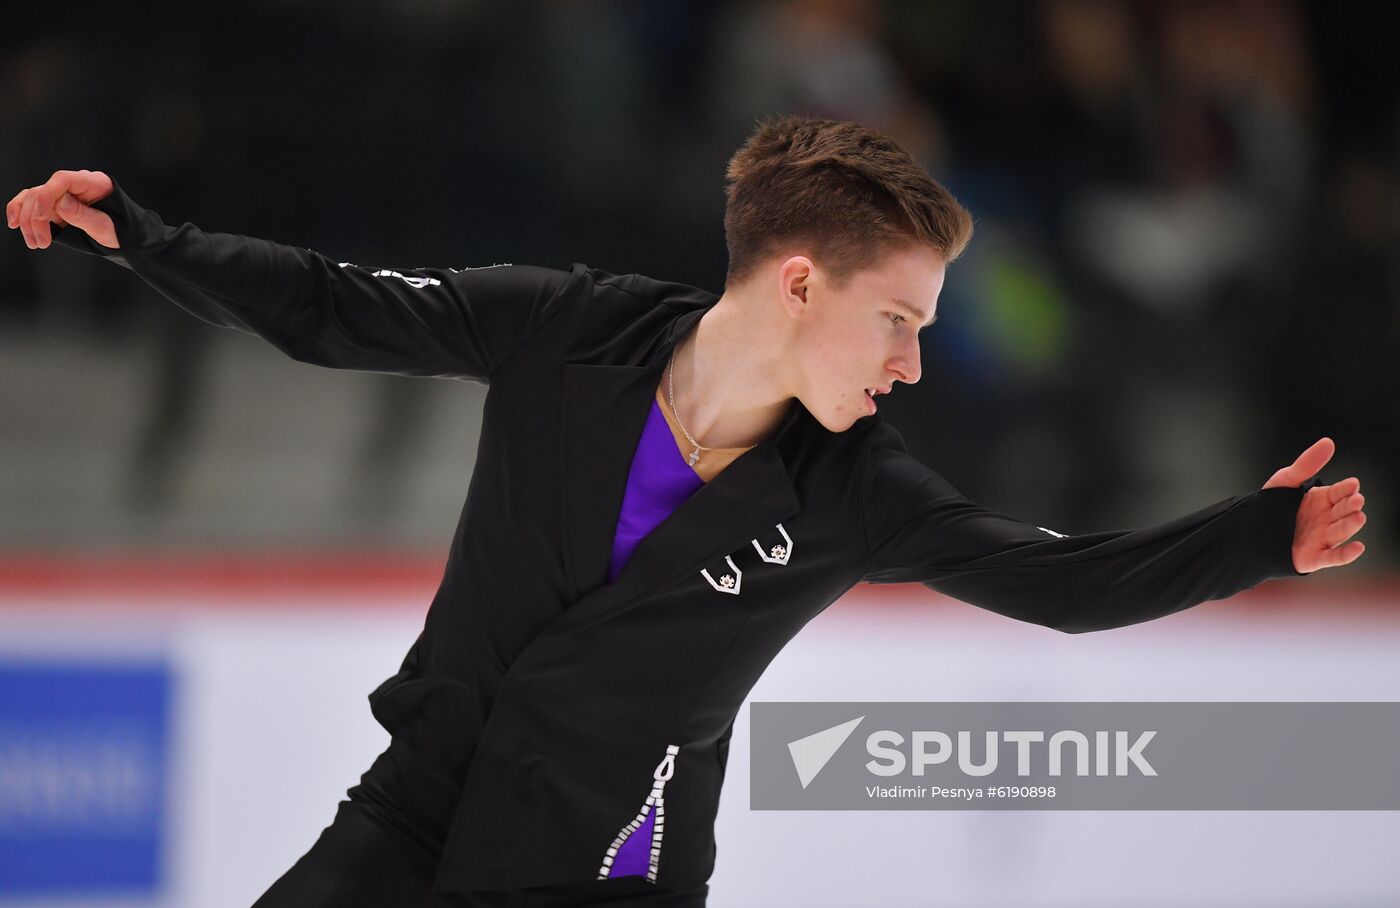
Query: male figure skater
[669, 486]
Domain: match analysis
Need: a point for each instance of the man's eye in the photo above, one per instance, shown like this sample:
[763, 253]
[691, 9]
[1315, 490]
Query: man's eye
[895, 319]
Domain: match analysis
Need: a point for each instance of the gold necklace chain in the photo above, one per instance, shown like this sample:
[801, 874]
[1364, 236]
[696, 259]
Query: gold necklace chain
[671, 398]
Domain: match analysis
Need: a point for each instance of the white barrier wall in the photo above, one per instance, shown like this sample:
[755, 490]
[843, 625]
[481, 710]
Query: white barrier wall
[266, 725]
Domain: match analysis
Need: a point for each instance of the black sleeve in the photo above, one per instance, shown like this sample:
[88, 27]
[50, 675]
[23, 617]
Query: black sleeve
[423, 321]
[919, 529]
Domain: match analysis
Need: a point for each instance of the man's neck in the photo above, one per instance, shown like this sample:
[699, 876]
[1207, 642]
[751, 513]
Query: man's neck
[729, 390]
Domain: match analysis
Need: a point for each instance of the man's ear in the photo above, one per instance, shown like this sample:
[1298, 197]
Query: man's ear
[795, 282]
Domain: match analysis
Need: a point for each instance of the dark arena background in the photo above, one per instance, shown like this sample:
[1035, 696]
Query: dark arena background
[1184, 273]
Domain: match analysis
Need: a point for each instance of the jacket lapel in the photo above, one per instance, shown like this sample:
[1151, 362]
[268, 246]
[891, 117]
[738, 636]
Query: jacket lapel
[605, 410]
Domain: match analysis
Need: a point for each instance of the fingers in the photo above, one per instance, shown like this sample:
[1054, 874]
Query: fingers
[1306, 466]
[26, 221]
[1339, 491]
[1340, 531]
[1339, 556]
[1314, 458]
[12, 209]
[27, 216]
[96, 224]
[32, 210]
[84, 185]
[1329, 517]
[39, 220]
[1349, 505]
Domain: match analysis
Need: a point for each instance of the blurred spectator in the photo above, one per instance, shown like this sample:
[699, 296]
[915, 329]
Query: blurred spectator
[1183, 272]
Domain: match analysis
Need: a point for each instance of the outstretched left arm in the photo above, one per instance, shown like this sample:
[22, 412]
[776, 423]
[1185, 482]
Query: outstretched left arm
[920, 529]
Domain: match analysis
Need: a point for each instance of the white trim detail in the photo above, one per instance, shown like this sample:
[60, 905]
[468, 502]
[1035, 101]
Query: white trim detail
[418, 282]
[787, 549]
[735, 581]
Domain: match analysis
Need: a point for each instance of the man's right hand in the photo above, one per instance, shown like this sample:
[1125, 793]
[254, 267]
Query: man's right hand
[66, 199]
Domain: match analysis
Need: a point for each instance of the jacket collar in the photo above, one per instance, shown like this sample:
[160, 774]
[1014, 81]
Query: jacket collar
[605, 410]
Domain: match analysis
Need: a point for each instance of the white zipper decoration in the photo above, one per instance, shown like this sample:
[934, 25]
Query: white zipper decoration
[655, 801]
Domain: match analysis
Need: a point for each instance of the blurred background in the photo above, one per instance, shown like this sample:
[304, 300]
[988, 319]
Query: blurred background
[1184, 273]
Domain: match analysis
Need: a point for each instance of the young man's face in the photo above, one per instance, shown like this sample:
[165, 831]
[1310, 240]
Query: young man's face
[865, 335]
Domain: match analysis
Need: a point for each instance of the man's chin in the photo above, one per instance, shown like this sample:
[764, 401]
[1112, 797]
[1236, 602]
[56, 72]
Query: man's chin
[844, 422]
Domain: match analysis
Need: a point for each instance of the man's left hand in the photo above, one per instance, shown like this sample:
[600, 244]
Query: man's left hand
[1328, 515]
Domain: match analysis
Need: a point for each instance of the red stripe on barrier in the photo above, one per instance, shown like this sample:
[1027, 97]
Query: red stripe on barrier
[226, 576]
[410, 578]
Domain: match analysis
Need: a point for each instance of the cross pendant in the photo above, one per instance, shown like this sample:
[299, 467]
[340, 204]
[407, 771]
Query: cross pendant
[694, 456]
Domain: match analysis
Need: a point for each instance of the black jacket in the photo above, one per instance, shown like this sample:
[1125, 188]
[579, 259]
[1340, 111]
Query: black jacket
[546, 698]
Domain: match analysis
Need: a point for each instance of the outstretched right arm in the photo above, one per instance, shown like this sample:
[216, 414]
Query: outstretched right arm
[424, 321]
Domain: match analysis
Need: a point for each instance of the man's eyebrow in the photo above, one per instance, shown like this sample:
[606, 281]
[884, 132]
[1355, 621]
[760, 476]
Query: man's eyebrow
[914, 312]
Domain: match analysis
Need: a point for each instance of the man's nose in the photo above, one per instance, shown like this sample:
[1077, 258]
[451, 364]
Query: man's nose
[907, 365]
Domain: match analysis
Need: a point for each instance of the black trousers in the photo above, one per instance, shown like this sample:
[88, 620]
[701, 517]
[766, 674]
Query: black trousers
[364, 859]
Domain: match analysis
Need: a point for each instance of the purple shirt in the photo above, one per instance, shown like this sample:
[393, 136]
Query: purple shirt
[659, 481]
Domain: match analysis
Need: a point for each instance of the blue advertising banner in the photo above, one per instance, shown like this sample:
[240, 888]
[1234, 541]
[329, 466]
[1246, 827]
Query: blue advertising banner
[83, 769]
